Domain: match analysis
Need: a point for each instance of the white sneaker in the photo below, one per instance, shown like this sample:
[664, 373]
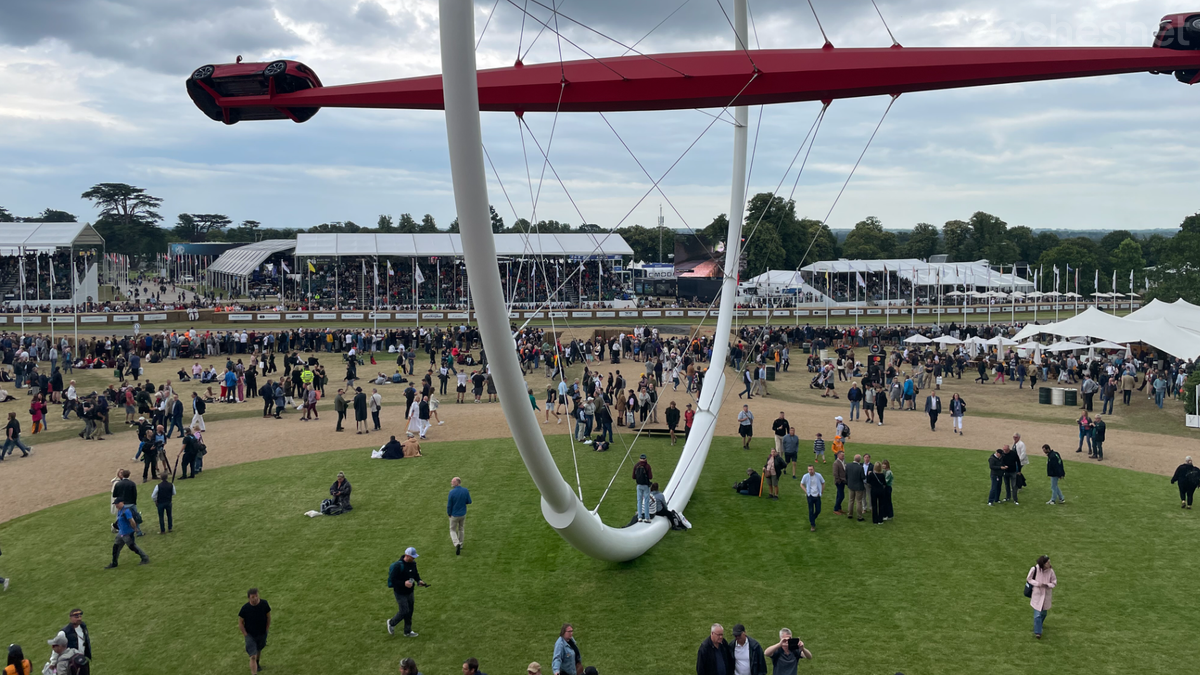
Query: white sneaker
[391, 630]
[1051, 502]
[440, 423]
[412, 633]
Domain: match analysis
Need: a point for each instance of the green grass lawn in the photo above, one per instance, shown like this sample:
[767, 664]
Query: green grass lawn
[936, 591]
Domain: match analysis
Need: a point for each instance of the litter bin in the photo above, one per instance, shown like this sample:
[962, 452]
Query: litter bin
[1057, 396]
[1044, 395]
[1070, 397]
[770, 373]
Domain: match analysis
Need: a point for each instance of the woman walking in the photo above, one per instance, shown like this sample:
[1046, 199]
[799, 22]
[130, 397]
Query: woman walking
[1188, 477]
[958, 408]
[877, 488]
[1041, 581]
[1085, 432]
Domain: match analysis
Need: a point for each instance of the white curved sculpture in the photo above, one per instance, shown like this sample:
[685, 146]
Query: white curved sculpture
[561, 507]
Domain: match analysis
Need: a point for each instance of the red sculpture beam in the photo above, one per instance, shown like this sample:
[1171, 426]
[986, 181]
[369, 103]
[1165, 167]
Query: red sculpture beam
[695, 80]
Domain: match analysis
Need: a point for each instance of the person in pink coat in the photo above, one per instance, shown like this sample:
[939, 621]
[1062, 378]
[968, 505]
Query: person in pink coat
[1041, 577]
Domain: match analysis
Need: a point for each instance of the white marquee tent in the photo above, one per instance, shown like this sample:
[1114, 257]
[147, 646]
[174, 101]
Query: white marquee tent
[445, 244]
[1180, 313]
[1095, 324]
[971, 274]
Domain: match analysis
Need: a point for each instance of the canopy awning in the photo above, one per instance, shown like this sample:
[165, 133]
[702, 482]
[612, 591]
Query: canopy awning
[1093, 323]
[971, 274]
[243, 260]
[48, 235]
[446, 244]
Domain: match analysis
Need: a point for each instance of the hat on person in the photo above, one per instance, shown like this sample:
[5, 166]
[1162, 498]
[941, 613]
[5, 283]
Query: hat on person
[738, 629]
[59, 640]
[838, 418]
[410, 551]
[643, 456]
[142, 418]
[410, 434]
[534, 668]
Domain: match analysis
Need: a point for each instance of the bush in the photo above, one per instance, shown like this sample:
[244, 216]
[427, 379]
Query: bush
[1189, 391]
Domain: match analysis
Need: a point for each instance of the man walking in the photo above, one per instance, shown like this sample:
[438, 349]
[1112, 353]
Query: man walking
[780, 427]
[1055, 469]
[748, 658]
[642, 476]
[997, 467]
[191, 451]
[13, 437]
[162, 496]
[376, 404]
[1088, 388]
[714, 656]
[857, 486]
[403, 578]
[933, 408]
[1098, 430]
[77, 634]
[791, 449]
[125, 529]
[198, 408]
[814, 487]
[339, 407]
[745, 426]
[254, 621]
[456, 509]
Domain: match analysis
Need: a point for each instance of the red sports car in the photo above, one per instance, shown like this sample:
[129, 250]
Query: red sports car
[210, 83]
[1180, 32]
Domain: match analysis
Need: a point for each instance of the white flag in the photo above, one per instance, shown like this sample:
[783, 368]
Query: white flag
[50, 260]
[286, 269]
[859, 279]
[418, 276]
[1096, 283]
[390, 272]
[376, 270]
[600, 268]
[21, 266]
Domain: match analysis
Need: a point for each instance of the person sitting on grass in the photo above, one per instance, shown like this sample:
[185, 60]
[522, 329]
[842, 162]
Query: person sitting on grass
[751, 486]
[340, 492]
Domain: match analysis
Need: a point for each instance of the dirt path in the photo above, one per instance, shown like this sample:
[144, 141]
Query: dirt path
[66, 470]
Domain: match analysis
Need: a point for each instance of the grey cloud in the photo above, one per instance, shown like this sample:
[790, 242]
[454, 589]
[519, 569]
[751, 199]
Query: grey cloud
[159, 35]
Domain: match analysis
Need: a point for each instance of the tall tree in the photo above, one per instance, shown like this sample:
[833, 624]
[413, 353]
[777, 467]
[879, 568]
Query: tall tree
[338, 227]
[428, 224]
[1112, 240]
[1176, 276]
[956, 238]
[1071, 254]
[197, 227]
[406, 224]
[384, 224]
[128, 218]
[1191, 224]
[869, 241]
[52, 216]
[923, 242]
[249, 230]
[497, 221]
[1128, 257]
[6, 216]
[987, 230]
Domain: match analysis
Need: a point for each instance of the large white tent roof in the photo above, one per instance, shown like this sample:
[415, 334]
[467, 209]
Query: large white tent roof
[445, 244]
[243, 260]
[48, 235]
[977, 273]
[1180, 313]
[1093, 323]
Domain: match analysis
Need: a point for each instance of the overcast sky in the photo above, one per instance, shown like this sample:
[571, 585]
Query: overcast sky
[93, 91]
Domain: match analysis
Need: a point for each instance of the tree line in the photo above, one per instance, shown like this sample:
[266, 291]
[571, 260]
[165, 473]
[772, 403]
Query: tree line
[774, 237]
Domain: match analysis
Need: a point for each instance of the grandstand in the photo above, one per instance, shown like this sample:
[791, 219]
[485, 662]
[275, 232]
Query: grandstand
[48, 251]
[392, 270]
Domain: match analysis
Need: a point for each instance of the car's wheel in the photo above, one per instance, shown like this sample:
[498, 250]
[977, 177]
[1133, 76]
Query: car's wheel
[275, 68]
[203, 73]
[1194, 23]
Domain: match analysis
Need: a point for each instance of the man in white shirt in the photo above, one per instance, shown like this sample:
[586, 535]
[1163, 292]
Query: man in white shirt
[748, 658]
[1019, 448]
[814, 487]
[375, 405]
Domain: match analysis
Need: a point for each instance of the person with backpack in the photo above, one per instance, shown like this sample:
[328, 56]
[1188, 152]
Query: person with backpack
[403, 579]
[1055, 469]
[642, 476]
[126, 527]
[1039, 587]
[64, 660]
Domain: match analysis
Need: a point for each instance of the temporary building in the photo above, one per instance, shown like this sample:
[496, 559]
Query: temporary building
[1098, 325]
